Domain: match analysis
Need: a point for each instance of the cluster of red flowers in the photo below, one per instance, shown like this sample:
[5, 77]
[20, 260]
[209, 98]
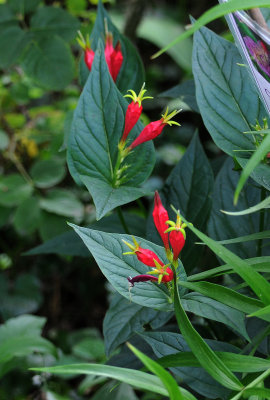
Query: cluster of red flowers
[173, 239]
[113, 55]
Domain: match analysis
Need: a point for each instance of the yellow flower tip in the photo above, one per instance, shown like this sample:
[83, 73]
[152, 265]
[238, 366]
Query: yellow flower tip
[140, 97]
[167, 117]
[129, 245]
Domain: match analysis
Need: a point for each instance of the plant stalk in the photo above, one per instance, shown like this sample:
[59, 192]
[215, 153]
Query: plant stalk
[122, 219]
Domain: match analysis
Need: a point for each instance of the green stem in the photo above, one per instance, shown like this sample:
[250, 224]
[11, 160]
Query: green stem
[259, 248]
[256, 381]
[116, 168]
[122, 219]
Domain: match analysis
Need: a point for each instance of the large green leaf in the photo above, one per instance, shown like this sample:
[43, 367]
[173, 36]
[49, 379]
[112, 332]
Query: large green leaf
[63, 202]
[108, 249]
[20, 336]
[227, 99]
[222, 226]
[139, 379]
[47, 173]
[23, 6]
[216, 12]
[42, 59]
[123, 319]
[54, 21]
[169, 344]
[167, 380]
[208, 308]
[188, 188]
[131, 75]
[93, 144]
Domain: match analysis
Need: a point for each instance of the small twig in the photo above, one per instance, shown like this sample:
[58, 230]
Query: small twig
[134, 15]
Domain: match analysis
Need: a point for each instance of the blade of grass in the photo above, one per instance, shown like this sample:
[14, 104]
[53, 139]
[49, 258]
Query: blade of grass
[263, 204]
[257, 282]
[206, 357]
[215, 12]
[263, 312]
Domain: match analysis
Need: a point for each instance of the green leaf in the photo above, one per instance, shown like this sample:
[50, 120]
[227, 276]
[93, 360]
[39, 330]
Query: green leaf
[247, 238]
[20, 297]
[160, 30]
[23, 6]
[108, 249]
[20, 337]
[168, 381]
[4, 140]
[264, 312]
[256, 391]
[257, 282]
[261, 174]
[131, 75]
[185, 92]
[168, 345]
[235, 362]
[93, 146]
[255, 159]
[138, 379]
[89, 349]
[42, 59]
[62, 202]
[225, 296]
[12, 42]
[47, 173]
[222, 226]
[124, 318]
[215, 310]
[27, 215]
[54, 21]
[13, 190]
[69, 243]
[106, 197]
[227, 98]
[188, 188]
[260, 264]
[113, 391]
[206, 357]
[214, 13]
[260, 206]
[51, 225]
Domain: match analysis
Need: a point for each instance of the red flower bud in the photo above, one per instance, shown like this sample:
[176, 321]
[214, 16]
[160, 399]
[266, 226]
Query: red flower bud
[132, 116]
[154, 129]
[134, 110]
[160, 217]
[89, 55]
[113, 56]
[177, 241]
[147, 257]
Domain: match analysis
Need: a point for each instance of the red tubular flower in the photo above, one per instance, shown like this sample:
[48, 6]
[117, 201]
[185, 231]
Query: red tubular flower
[144, 278]
[177, 235]
[160, 217]
[146, 256]
[134, 111]
[89, 54]
[177, 240]
[154, 129]
[113, 56]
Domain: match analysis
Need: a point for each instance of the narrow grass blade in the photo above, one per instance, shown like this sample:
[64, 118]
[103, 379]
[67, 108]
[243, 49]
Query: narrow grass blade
[214, 13]
[263, 204]
[263, 312]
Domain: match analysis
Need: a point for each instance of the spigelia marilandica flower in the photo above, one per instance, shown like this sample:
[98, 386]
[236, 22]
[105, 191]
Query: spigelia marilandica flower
[177, 235]
[259, 51]
[89, 54]
[113, 55]
[154, 129]
[160, 217]
[134, 111]
[146, 256]
[165, 275]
